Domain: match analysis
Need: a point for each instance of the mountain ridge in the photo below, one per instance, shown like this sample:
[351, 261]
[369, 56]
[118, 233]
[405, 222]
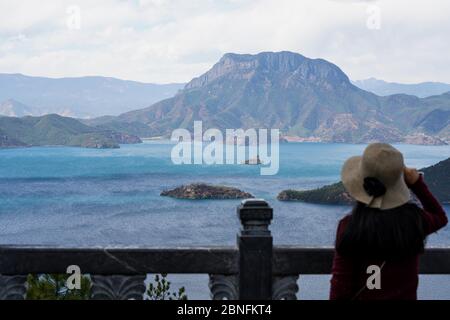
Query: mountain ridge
[303, 97]
[82, 97]
[14, 108]
[307, 99]
[421, 90]
[54, 129]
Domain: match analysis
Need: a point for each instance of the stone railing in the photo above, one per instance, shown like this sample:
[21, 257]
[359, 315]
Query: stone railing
[254, 269]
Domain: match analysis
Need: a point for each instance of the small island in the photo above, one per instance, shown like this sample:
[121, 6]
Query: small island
[198, 191]
[254, 161]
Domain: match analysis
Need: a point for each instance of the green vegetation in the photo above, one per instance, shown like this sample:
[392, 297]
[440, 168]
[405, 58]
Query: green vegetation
[330, 194]
[53, 287]
[437, 178]
[53, 129]
[160, 290]
[196, 191]
[110, 123]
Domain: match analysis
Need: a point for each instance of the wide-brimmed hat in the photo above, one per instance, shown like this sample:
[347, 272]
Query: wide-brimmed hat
[376, 177]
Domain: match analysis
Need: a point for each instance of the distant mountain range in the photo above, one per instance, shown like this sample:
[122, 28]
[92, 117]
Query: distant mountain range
[437, 177]
[307, 99]
[13, 108]
[77, 97]
[53, 129]
[421, 90]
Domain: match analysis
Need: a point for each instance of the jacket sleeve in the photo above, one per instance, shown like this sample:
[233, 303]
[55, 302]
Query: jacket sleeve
[434, 216]
[342, 274]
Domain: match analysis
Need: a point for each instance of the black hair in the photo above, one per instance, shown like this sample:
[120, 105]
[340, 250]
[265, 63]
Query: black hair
[383, 234]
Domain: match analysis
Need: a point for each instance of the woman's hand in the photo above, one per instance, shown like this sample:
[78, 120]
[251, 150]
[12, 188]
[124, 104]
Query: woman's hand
[411, 175]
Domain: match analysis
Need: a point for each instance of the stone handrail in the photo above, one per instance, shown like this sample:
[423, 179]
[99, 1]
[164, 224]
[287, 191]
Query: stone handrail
[253, 269]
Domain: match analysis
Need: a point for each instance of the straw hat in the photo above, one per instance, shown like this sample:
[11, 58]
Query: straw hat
[376, 177]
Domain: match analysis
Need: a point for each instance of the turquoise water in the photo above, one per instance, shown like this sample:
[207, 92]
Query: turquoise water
[82, 197]
[75, 196]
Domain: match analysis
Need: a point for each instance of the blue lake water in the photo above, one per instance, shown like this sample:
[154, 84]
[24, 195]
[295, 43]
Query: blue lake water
[83, 197]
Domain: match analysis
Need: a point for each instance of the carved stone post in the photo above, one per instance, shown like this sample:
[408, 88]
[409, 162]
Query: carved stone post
[285, 288]
[13, 287]
[117, 287]
[223, 287]
[255, 250]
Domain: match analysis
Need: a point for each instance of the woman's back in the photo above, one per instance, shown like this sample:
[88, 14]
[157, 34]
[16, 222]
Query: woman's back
[381, 240]
[398, 277]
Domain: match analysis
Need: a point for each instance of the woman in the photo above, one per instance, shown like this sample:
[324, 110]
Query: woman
[384, 229]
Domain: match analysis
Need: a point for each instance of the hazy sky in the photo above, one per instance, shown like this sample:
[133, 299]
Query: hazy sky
[175, 40]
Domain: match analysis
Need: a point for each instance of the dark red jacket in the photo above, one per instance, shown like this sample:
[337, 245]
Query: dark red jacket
[399, 279]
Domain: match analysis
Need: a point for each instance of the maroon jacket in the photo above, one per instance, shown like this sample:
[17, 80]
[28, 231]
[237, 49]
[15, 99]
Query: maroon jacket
[399, 279]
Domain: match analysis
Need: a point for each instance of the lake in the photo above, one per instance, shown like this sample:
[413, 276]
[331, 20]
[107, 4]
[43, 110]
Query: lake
[84, 197]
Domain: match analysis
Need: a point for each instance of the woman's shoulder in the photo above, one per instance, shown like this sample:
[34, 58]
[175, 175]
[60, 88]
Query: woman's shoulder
[342, 224]
[345, 219]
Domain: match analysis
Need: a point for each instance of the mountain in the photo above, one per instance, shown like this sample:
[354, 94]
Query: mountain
[6, 141]
[112, 123]
[383, 88]
[437, 121]
[303, 97]
[437, 178]
[53, 129]
[13, 108]
[84, 96]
